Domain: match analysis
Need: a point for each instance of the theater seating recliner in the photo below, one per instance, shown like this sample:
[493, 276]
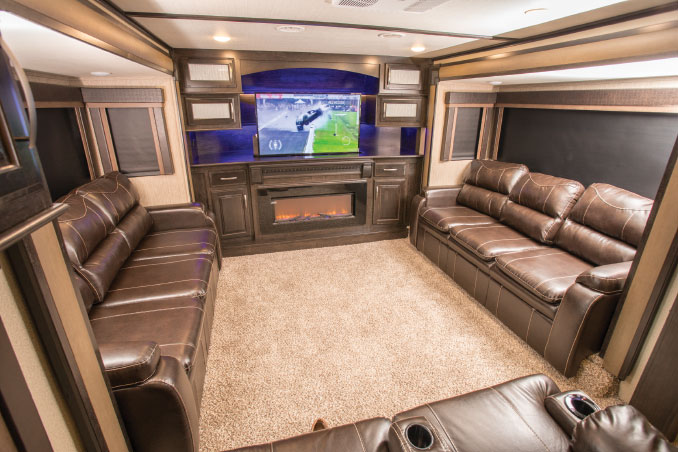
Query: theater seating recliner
[147, 278]
[511, 416]
[545, 256]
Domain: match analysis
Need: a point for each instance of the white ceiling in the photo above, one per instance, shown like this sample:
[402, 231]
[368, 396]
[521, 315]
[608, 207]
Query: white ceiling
[667, 67]
[42, 49]
[476, 17]
[258, 36]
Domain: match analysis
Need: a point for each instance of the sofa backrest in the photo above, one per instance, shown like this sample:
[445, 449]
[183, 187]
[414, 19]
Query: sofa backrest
[539, 203]
[487, 185]
[605, 225]
[101, 228]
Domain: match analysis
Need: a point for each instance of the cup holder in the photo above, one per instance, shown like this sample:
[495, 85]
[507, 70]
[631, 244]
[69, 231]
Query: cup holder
[419, 436]
[580, 405]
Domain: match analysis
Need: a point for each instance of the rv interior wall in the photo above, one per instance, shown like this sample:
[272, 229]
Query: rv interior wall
[165, 189]
[36, 370]
[446, 173]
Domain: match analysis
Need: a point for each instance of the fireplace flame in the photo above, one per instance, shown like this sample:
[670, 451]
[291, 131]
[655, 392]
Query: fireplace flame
[312, 208]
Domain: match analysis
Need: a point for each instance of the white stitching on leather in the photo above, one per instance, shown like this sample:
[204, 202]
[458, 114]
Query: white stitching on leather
[359, 437]
[513, 407]
[165, 263]
[159, 284]
[454, 446]
[555, 277]
[155, 346]
[626, 223]
[145, 312]
[531, 257]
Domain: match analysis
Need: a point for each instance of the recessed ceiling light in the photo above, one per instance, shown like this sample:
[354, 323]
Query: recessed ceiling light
[100, 73]
[418, 49]
[290, 28]
[496, 82]
[536, 11]
[222, 38]
[391, 35]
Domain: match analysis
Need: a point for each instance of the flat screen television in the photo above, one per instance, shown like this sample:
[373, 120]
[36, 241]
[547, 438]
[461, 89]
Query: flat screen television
[300, 124]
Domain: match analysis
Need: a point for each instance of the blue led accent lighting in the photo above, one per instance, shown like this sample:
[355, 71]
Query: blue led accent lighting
[309, 80]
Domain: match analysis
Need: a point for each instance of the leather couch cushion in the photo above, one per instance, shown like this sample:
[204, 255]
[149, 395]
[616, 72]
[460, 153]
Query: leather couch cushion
[613, 211]
[175, 243]
[547, 273]
[608, 279]
[370, 435]
[176, 329]
[617, 429]
[591, 245]
[486, 201]
[490, 241]
[539, 203]
[507, 417]
[184, 276]
[496, 176]
[83, 227]
[129, 363]
[444, 218]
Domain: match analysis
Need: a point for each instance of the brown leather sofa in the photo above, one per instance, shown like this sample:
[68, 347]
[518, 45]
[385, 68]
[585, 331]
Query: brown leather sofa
[526, 414]
[147, 277]
[545, 256]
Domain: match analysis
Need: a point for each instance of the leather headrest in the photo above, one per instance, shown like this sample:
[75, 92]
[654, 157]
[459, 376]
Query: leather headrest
[618, 429]
[495, 176]
[613, 211]
[553, 196]
[113, 193]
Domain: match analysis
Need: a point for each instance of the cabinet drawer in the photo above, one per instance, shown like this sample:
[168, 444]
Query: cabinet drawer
[389, 169]
[229, 177]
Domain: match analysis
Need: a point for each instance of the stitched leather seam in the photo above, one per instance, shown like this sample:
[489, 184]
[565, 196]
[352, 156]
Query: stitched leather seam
[133, 383]
[479, 227]
[400, 439]
[165, 263]
[576, 336]
[543, 206]
[359, 437]
[459, 216]
[83, 276]
[503, 240]
[150, 355]
[81, 238]
[531, 257]
[179, 231]
[626, 223]
[513, 407]
[159, 284]
[554, 278]
[177, 343]
[603, 277]
[443, 427]
[145, 312]
[527, 334]
[171, 246]
[616, 207]
[529, 285]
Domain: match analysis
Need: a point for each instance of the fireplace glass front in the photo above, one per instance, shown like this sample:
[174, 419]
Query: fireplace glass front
[307, 208]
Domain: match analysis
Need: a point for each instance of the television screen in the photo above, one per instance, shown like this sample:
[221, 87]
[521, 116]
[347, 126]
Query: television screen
[308, 123]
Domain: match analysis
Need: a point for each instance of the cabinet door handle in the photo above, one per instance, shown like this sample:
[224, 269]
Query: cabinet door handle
[228, 178]
[390, 169]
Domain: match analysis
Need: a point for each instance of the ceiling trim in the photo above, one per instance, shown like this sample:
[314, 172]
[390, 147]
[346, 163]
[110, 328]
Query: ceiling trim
[560, 45]
[137, 46]
[310, 23]
[116, 10]
[673, 6]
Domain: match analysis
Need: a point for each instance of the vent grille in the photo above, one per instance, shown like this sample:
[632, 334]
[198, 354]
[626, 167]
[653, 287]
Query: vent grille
[421, 6]
[354, 3]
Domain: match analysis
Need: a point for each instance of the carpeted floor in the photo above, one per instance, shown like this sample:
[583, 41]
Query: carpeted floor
[347, 333]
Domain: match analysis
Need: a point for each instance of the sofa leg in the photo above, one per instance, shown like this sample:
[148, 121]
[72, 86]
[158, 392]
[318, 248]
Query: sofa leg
[579, 327]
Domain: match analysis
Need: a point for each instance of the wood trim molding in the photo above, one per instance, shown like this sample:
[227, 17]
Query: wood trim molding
[667, 109]
[592, 98]
[156, 142]
[497, 133]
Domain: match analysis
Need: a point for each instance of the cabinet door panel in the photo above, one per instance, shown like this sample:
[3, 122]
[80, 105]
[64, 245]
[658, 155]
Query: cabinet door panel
[389, 201]
[232, 211]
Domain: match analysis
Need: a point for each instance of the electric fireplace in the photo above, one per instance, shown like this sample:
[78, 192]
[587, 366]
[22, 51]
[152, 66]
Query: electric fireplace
[292, 209]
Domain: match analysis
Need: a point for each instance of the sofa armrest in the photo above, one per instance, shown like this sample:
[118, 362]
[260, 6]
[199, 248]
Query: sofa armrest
[606, 279]
[180, 216]
[161, 414]
[129, 363]
[441, 197]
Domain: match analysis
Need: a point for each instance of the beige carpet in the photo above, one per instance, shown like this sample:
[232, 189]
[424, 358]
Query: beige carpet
[347, 333]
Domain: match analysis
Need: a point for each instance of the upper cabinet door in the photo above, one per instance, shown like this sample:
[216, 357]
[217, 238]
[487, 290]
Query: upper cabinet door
[199, 75]
[402, 78]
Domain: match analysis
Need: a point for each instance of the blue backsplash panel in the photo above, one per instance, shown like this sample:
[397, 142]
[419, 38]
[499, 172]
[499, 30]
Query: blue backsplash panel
[236, 145]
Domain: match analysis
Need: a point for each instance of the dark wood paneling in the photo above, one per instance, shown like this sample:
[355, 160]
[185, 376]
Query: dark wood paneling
[122, 95]
[46, 92]
[470, 98]
[448, 133]
[389, 201]
[233, 212]
[608, 97]
[656, 395]
[212, 124]
[231, 85]
[387, 86]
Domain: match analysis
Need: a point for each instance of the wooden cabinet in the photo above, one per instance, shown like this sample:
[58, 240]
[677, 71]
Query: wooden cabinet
[231, 207]
[215, 112]
[401, 111]
[389, 201]
[212, 75]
